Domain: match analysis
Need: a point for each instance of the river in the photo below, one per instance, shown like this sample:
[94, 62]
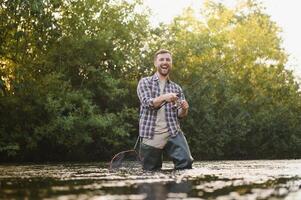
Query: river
[221, 180]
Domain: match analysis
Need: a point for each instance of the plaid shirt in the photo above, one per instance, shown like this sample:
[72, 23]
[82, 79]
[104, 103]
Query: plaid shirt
[148, 89]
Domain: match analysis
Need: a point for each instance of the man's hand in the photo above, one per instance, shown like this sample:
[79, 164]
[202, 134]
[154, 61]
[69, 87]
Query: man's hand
[184, 105]
[170, 97]
[183, 109]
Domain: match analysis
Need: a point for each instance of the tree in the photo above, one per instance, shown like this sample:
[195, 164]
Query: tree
[63, 69]
[244, 103]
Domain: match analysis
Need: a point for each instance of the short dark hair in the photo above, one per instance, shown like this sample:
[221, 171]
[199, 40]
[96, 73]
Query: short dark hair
[161, 51]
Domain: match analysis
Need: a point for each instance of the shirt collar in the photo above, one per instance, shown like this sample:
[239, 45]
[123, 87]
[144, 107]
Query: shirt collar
[156, 77]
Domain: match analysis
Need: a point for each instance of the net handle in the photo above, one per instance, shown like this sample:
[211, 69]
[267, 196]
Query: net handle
[137, 142]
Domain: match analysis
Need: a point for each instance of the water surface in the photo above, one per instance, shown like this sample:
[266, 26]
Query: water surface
[222, 180]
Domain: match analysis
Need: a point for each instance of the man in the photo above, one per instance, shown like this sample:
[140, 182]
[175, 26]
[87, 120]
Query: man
[162, 103]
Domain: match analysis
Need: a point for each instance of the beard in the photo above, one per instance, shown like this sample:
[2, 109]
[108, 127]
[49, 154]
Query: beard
[164, 69]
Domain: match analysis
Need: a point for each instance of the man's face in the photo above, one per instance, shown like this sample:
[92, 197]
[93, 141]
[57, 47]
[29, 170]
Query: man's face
[163, 63]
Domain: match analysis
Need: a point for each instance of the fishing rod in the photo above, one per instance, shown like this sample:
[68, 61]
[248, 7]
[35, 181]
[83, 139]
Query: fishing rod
[190, 86]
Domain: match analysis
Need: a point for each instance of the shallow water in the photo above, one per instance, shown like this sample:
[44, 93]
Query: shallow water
[222, 180]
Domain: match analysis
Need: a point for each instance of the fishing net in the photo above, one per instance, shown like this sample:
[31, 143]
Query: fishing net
[127, 159]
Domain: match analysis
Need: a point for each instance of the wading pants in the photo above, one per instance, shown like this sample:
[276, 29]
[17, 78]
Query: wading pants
[176, 148]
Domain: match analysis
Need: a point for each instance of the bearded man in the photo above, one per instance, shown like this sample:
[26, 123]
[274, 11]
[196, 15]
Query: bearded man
[162, 104]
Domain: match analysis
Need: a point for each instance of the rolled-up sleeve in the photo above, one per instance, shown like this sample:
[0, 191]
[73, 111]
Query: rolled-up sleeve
[144, 94]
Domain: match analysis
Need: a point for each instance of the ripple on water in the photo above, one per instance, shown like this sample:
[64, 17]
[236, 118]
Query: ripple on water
[222, 180]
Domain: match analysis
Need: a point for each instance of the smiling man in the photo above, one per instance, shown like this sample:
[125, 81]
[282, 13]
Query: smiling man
[162, 103]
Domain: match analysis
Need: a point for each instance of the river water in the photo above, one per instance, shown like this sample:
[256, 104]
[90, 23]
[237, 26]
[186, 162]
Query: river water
[222, 180]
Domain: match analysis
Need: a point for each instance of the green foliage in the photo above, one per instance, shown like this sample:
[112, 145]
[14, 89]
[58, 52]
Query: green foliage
[244, 104]
[69, 71]
[63, 92]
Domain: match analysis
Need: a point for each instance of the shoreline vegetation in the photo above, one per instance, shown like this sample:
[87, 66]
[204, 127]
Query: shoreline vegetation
[69, 72]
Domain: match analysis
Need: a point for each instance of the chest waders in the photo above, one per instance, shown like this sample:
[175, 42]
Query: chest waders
[176, 148]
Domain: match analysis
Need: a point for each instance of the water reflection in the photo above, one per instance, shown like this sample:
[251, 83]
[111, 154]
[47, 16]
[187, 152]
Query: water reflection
[224, 180]
[161, 191]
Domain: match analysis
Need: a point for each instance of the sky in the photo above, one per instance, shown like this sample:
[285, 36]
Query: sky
[286, 13]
